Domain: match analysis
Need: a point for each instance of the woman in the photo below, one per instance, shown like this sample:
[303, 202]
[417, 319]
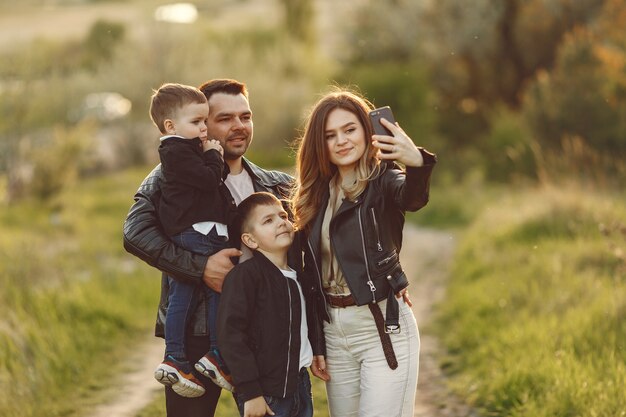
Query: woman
[350, 202]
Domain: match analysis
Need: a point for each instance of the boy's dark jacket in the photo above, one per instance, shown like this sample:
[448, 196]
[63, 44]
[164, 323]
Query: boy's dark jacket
[258, 328]
[144, 237]
[193, 186]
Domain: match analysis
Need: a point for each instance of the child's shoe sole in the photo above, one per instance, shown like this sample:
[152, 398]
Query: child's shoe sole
[181, 383]
[210, 370]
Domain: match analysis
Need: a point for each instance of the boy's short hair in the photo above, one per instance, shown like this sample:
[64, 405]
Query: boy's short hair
[170, 98]
[247, 206]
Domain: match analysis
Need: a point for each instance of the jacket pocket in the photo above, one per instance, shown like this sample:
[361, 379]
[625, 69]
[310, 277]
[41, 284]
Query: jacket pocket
[387, 260]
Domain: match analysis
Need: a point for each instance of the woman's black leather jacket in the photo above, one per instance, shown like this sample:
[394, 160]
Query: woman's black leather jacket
[366, 236]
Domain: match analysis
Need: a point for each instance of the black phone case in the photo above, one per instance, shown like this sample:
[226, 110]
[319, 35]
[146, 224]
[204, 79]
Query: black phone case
[376, 115]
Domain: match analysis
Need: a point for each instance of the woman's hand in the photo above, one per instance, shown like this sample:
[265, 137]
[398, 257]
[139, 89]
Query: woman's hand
[404, 294]
[318, 368]
[398, 147]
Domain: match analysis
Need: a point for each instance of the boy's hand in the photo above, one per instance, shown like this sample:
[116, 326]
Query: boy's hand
[256, 407]
[318, 368]
[212, 144]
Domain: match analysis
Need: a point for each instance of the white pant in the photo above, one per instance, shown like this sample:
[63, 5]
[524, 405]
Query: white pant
[362, 384]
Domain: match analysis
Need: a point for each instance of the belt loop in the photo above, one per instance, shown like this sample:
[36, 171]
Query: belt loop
[392, 320]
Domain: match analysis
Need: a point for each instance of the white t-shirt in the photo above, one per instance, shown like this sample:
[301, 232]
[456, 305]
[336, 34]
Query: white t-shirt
[240, 187]
[306, 351]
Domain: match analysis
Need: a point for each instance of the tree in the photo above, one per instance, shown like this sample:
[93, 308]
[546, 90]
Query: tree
[585, 95]
[299, 19]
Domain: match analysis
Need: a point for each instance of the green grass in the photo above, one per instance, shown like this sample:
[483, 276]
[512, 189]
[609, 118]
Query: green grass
[71, 299]
[535, 319]
[454, 204]
[226, 406]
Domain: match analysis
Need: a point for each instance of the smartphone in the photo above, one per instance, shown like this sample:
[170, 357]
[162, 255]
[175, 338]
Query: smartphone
[376, 115]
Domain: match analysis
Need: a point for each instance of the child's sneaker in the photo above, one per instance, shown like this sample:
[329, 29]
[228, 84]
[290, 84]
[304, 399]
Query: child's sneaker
[178, 375]
[212, 366]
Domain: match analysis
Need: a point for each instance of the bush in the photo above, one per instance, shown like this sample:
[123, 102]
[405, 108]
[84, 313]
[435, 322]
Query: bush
[585, 95]
[535, 313]
[507, 150]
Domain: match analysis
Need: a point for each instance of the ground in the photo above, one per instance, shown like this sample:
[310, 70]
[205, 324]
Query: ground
[426, 257]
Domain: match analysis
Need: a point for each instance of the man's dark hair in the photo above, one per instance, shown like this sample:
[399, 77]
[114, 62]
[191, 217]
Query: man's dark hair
[223, 85]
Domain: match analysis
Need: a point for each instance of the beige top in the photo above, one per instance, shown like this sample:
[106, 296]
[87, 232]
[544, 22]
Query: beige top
[333, 279]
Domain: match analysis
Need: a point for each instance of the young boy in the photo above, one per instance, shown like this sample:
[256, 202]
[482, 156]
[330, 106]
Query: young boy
[193, 210]
[262, 328]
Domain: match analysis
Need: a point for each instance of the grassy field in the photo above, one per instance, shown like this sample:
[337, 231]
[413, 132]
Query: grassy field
[71, 299]
[535, 318]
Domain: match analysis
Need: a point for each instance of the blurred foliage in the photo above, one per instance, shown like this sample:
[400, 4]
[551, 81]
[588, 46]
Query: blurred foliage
[41, 92]
[493, 87]
[101, 41]
[508, 148]
[382, 31]
[57, 163]
[46, 58]
[72, 301]
[538, 288]
[508, 81]
[585, 95]
[299, 19]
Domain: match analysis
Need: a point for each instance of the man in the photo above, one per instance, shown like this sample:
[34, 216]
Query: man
[229, 122]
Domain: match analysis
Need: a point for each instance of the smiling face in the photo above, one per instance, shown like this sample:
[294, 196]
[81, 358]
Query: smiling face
[345, 139]
[189, 121]
[230, 122]
[267, 229]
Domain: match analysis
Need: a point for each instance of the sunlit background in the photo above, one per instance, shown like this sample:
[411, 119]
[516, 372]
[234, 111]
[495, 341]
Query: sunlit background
[524, 101]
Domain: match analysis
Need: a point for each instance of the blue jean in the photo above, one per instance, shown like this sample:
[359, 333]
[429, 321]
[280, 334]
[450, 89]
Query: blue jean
[182, 296]
[298, 404]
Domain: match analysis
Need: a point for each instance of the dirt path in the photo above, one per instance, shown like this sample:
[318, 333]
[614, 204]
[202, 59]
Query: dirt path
[426, 256]
[136, 387]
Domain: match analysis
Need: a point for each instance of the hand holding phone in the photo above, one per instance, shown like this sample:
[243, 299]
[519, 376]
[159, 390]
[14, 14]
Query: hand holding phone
[376, 115]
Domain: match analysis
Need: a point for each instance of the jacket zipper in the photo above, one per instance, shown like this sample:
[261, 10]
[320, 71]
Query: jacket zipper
[319, 275]
[367, 269]
[387, 259]
[289, 343]
[379, 246]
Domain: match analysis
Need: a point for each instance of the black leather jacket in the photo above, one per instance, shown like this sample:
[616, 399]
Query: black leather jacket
[366, 235]
[145, 238]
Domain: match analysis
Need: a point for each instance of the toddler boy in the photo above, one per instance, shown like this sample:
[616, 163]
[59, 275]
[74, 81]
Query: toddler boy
[194, 209]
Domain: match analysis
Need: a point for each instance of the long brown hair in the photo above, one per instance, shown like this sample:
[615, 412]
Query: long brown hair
[313, 167]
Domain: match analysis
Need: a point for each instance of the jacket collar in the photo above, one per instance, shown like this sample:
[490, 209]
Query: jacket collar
[259, 175]
[315, 234]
